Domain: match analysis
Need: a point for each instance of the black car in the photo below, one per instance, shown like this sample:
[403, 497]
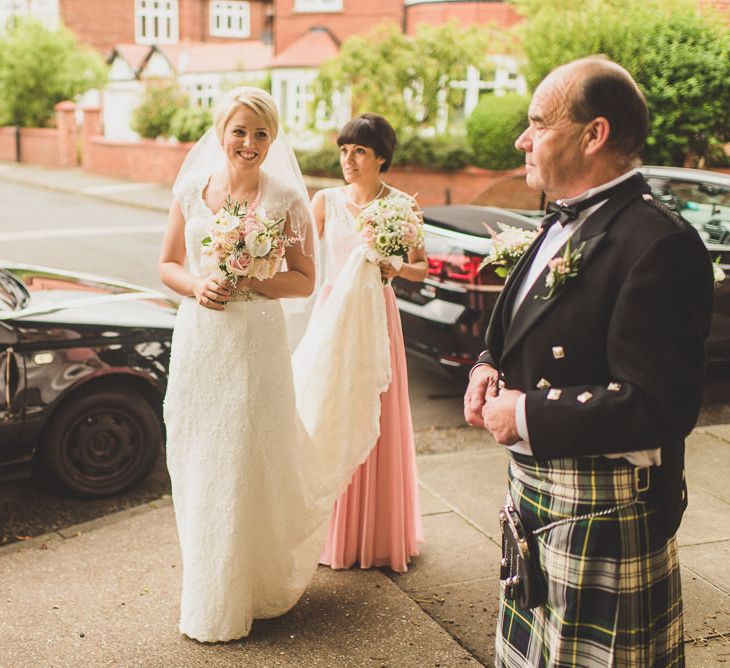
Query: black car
[83, 368]
[445, 317]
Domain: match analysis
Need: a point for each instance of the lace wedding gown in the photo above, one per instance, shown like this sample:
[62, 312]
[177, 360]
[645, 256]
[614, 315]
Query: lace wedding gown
[246, 503]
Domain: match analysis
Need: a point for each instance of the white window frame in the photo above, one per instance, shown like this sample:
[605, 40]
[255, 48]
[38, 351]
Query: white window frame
[156, 21]
[317, 6]
[230, 18]
[46, 11]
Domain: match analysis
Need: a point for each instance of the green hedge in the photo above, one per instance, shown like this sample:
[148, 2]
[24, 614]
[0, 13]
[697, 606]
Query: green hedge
[190, 123]
[443, 153]
[492, 129]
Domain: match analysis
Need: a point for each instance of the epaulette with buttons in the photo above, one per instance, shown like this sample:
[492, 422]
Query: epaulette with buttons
[679, 222]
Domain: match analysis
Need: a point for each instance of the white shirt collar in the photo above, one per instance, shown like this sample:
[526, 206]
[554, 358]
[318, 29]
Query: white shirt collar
[594, 191]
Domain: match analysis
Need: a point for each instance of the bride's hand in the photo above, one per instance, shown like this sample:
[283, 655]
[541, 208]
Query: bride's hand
[211, 293]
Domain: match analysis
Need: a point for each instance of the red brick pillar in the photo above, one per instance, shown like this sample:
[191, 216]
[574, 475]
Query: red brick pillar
[90, 128]
[66, 126]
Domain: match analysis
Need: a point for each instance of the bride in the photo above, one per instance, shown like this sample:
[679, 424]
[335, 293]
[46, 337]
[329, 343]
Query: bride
[252, 483]
[233, 439]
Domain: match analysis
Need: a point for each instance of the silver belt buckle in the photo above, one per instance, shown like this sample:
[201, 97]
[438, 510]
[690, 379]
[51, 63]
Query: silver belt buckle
[642, 482]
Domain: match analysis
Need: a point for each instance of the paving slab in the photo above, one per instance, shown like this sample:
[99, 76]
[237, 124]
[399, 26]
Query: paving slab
[110, 597]
[455, 552]
[708, 462]
[703, 521]
[474, 484]
[721, 431]
[706, 608]
[710, 561]
[430, 503]
[467, 611]
[708, 653]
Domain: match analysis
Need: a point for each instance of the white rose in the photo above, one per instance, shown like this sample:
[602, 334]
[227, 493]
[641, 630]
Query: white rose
[718, 273]
[258, 245]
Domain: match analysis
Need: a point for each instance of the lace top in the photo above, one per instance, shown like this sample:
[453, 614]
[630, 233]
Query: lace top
[274, 201]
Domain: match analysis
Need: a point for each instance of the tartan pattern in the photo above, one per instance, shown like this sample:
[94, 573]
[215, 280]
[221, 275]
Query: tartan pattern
[614, 595]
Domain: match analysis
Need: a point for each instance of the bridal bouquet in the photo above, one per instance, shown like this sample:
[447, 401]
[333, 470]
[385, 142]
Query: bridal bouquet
[391, 228]
[508, 246]
[241, 242]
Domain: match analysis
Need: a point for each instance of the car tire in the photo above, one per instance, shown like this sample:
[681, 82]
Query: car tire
[100, 443]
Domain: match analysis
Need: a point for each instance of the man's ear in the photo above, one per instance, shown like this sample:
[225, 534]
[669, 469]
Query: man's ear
[595, 135]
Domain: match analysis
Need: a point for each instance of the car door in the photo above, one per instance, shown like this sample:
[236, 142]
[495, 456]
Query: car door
[707, 207]
[11, 393]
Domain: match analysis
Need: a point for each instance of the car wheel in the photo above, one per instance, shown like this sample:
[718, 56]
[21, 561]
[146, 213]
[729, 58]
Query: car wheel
[101, 443]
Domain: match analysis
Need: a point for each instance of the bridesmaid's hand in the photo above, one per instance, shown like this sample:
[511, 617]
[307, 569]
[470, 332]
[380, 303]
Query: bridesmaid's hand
[388, 271]
[211, 293]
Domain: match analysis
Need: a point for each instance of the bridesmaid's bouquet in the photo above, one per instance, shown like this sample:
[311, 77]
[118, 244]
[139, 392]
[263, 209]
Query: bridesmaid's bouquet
[508, 246]
[391, 227]
[241, 242]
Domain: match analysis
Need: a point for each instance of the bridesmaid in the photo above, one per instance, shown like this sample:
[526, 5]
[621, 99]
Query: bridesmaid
[376, 521]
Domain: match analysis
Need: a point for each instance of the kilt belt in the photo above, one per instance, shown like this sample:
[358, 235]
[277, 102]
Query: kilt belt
[614, 594]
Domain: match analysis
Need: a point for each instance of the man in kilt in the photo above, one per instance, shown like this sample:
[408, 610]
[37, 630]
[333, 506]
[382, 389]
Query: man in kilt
[592, 378]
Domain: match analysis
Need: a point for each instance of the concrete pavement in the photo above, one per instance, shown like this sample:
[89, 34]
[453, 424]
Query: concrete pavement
[106, 593]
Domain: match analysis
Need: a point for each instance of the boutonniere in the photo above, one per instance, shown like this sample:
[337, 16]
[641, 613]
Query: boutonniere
[560, 269]
[717, 272]
[508, 246]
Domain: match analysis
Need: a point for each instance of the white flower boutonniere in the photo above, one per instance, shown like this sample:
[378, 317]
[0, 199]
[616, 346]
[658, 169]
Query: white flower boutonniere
[508, 246]
[560, 269]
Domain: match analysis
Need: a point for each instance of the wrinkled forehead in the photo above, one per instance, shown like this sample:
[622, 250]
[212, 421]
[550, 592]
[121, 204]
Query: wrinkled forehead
[551, 101]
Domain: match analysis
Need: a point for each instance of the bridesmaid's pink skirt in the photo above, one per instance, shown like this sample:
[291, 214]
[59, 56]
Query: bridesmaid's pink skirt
[377, 520]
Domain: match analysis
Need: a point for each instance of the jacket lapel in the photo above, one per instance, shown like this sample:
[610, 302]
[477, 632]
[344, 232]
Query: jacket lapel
[591, 233]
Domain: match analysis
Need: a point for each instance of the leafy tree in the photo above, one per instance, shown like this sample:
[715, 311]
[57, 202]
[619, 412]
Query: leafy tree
[679, 56]
[153, 117]
[492, 129]
[404, 78]
[41, 67]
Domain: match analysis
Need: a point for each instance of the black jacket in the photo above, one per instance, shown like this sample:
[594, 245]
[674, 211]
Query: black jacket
[635, 317]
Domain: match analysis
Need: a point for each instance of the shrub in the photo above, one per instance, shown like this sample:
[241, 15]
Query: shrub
[323, 161]
[492, 129]
[441, 152]
[152, 118]
[190, 123]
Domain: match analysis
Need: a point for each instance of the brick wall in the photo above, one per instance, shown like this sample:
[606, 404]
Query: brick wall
[467, 13]
[144, 160]
[357, 16]
[7, 143]
[100, 23]
[434, 188]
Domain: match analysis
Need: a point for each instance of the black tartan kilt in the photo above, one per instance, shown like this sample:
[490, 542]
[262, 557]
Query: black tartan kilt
[614, 594]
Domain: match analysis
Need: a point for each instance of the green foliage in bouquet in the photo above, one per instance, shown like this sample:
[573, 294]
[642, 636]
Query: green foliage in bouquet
[492, 129]
[190, 123]
[153, 117]
[677, 50]
[40, 68]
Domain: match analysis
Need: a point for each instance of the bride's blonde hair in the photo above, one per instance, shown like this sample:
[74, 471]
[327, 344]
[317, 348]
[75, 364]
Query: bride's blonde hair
[255, 99]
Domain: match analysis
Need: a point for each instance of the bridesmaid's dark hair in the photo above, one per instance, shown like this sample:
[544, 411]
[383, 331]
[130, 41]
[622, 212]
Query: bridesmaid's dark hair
[373, 131]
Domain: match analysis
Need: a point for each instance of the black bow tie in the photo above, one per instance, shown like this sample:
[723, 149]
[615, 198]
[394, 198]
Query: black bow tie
[567, 212]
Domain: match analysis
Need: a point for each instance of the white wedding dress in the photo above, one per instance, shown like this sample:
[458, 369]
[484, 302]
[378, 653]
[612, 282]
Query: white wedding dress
[252, 488]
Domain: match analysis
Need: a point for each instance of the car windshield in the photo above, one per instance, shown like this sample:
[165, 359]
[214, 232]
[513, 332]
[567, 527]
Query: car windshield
[13, 295]
[705, 206]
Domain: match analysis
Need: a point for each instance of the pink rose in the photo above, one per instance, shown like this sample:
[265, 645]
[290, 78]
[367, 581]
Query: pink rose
[232, 237]
[238, 265]
[368, 234]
